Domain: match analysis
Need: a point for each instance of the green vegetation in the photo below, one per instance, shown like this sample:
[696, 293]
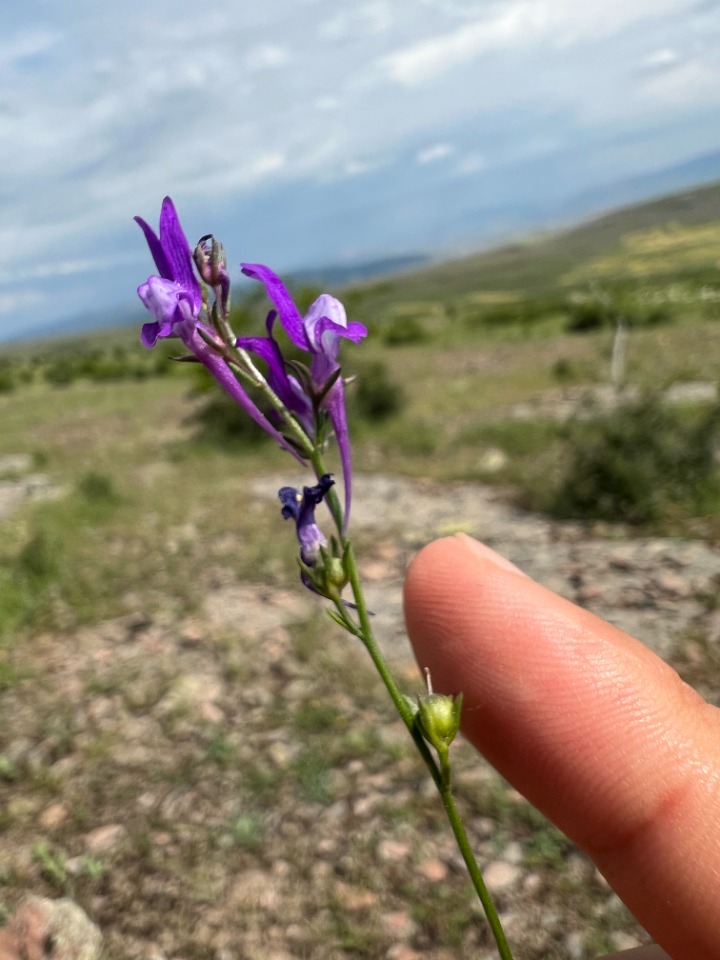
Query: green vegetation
[643, 463]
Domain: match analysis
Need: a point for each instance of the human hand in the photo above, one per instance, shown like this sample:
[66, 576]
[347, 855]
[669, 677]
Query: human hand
[590, 725]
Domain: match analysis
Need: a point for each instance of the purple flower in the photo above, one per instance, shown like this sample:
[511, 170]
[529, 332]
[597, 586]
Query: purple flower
[175, 297]
[301, 508]
[175, 300]
[318, 333]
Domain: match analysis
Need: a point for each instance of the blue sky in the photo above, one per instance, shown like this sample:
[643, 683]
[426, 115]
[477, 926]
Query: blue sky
[305, 132]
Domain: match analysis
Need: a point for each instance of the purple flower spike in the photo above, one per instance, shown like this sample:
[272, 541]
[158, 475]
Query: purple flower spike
[175, 301]
[318, 333]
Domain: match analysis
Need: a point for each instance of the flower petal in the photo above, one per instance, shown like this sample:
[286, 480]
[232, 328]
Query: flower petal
[168, 303]
[158, 254]
[324, 308]
[151, 333]
[276, 290]
[338, 417]
[177, 251]
[171, 252]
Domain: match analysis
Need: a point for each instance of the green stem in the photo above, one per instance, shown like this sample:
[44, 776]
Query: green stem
[439, 773]
[242, 363]
[472, 866]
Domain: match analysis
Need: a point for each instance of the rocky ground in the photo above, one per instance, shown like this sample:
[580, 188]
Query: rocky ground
[233, 785]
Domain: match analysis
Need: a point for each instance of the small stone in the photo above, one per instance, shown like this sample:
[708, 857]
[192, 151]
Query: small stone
[401, 951]
[38, 922]
[154, 952]
[623, 941]
[393, 850]
[212, 713]
[365, 806]
[533, 883]
[492, 460]
[193, 635]
[53, 816]
[433, 869]
[575, 945]
[354, 899]
[500, 875]
[484, 827]
[282, 753]
[399, 924]
[106, 838]
[513, 852]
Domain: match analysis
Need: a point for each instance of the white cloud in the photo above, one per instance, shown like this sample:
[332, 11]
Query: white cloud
[686, 84]
[268, 163]
[64, 268]
[327, 104]
[423, 61]
[539, 25]
[358, 166]
[267, 57]
[438, 151]
[660, 59]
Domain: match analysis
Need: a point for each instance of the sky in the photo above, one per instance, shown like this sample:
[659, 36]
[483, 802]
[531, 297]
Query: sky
[312, 132]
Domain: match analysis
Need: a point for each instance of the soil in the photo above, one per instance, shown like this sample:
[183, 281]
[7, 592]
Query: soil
[232, 785]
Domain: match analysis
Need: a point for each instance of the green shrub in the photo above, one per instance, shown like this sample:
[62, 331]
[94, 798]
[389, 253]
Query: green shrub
[400, 331]
[590, 315]
[642, 463]
[60, 373]
[97, 488]
[563, 370]
[219, 420]
[11, 374]
[516, 312]
[422, 440]
[373, 395]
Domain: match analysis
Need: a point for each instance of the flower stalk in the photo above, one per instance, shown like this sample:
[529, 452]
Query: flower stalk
[297, 404]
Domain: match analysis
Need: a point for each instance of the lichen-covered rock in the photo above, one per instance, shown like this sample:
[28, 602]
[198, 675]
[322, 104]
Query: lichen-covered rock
[43, 929]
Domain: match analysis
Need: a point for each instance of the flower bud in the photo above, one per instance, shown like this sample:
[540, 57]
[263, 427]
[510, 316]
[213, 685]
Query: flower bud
[209, 257]
[439, 718]
[335, 572]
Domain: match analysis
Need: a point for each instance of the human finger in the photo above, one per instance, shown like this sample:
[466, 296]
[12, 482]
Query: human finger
[591, 726]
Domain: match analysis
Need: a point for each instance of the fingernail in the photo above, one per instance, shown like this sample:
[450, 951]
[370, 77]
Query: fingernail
[481, 550]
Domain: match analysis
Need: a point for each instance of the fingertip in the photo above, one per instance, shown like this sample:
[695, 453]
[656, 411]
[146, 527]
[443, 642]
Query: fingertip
[587, 723]
[448, 577]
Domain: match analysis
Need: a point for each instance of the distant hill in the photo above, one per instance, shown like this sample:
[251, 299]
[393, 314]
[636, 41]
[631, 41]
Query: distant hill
[333, 275]
[535, 266]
